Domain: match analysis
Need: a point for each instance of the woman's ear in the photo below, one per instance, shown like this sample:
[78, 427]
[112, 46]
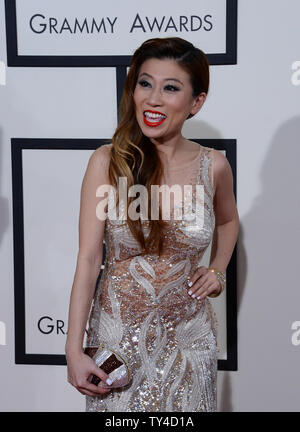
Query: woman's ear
[197, 103]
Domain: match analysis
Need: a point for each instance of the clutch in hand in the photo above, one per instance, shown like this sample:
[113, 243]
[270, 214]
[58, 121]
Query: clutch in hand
[112, 363]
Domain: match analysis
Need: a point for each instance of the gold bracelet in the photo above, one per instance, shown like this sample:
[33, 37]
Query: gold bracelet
[221, 278]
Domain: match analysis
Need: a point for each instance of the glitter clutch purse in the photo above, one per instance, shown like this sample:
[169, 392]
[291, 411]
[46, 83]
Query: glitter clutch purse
[112, 363]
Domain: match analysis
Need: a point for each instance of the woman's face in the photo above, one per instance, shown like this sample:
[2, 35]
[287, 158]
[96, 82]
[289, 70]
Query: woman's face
[163, 98]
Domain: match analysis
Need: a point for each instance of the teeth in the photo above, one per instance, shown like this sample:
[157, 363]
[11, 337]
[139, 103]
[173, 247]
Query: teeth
[154, 115]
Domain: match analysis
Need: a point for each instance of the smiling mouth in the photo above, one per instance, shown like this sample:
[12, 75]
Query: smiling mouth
[153, 118]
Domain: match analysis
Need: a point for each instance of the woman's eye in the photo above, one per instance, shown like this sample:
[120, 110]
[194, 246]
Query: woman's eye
[171, 87]
[143, 83]
[168, 87]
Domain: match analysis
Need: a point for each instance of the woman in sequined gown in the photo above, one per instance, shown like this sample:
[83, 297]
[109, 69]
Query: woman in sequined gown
[141, 306]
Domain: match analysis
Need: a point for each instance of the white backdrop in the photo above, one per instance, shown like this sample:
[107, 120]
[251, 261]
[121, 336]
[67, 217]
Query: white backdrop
[121, 29]
[255, 102]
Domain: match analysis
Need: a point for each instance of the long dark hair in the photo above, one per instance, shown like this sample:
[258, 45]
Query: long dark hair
[131, 148]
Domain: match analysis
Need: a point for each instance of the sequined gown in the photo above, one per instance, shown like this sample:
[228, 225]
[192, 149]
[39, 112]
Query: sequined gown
[141, 308]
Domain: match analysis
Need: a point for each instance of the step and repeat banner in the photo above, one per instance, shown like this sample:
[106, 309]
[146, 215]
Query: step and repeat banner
[70, 33]
[73, 33]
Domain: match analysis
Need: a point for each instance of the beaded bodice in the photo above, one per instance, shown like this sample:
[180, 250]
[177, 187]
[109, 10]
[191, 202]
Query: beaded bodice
[141, 306]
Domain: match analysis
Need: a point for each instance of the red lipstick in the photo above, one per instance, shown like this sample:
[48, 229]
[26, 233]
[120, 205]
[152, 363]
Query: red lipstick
[153, 123]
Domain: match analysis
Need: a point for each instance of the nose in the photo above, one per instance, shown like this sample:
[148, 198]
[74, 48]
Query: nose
[154, 97]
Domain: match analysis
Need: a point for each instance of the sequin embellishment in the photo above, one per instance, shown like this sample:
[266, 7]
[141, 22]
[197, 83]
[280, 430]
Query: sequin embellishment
[141, 308]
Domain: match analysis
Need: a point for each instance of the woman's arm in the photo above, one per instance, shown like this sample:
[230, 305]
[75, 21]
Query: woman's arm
[205, 282]
[89, 259]
[226, 214]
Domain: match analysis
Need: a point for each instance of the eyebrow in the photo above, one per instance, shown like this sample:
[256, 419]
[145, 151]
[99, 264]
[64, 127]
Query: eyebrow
[166, 79]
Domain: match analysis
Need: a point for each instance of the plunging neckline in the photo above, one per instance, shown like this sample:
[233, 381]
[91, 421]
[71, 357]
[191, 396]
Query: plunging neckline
[181, 166]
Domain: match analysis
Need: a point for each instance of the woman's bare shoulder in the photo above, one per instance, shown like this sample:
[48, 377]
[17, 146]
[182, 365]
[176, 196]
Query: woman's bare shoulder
[221, 166]
[98, 164]
[104, 149]
[220, 160]
[102, 154]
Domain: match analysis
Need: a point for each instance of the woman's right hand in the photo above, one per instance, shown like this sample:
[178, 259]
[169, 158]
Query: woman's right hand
[80, 367]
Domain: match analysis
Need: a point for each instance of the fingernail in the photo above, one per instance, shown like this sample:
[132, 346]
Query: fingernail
[190, 284]
[108, 381]
[190, 292]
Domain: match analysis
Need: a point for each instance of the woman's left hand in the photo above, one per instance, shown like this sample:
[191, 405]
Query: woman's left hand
[205, 282]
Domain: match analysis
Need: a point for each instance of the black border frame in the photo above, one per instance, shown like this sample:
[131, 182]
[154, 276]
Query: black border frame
[19, 144]
[14, 59]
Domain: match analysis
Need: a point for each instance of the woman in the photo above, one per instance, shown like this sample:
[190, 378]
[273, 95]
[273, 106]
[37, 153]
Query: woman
[152, 304]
